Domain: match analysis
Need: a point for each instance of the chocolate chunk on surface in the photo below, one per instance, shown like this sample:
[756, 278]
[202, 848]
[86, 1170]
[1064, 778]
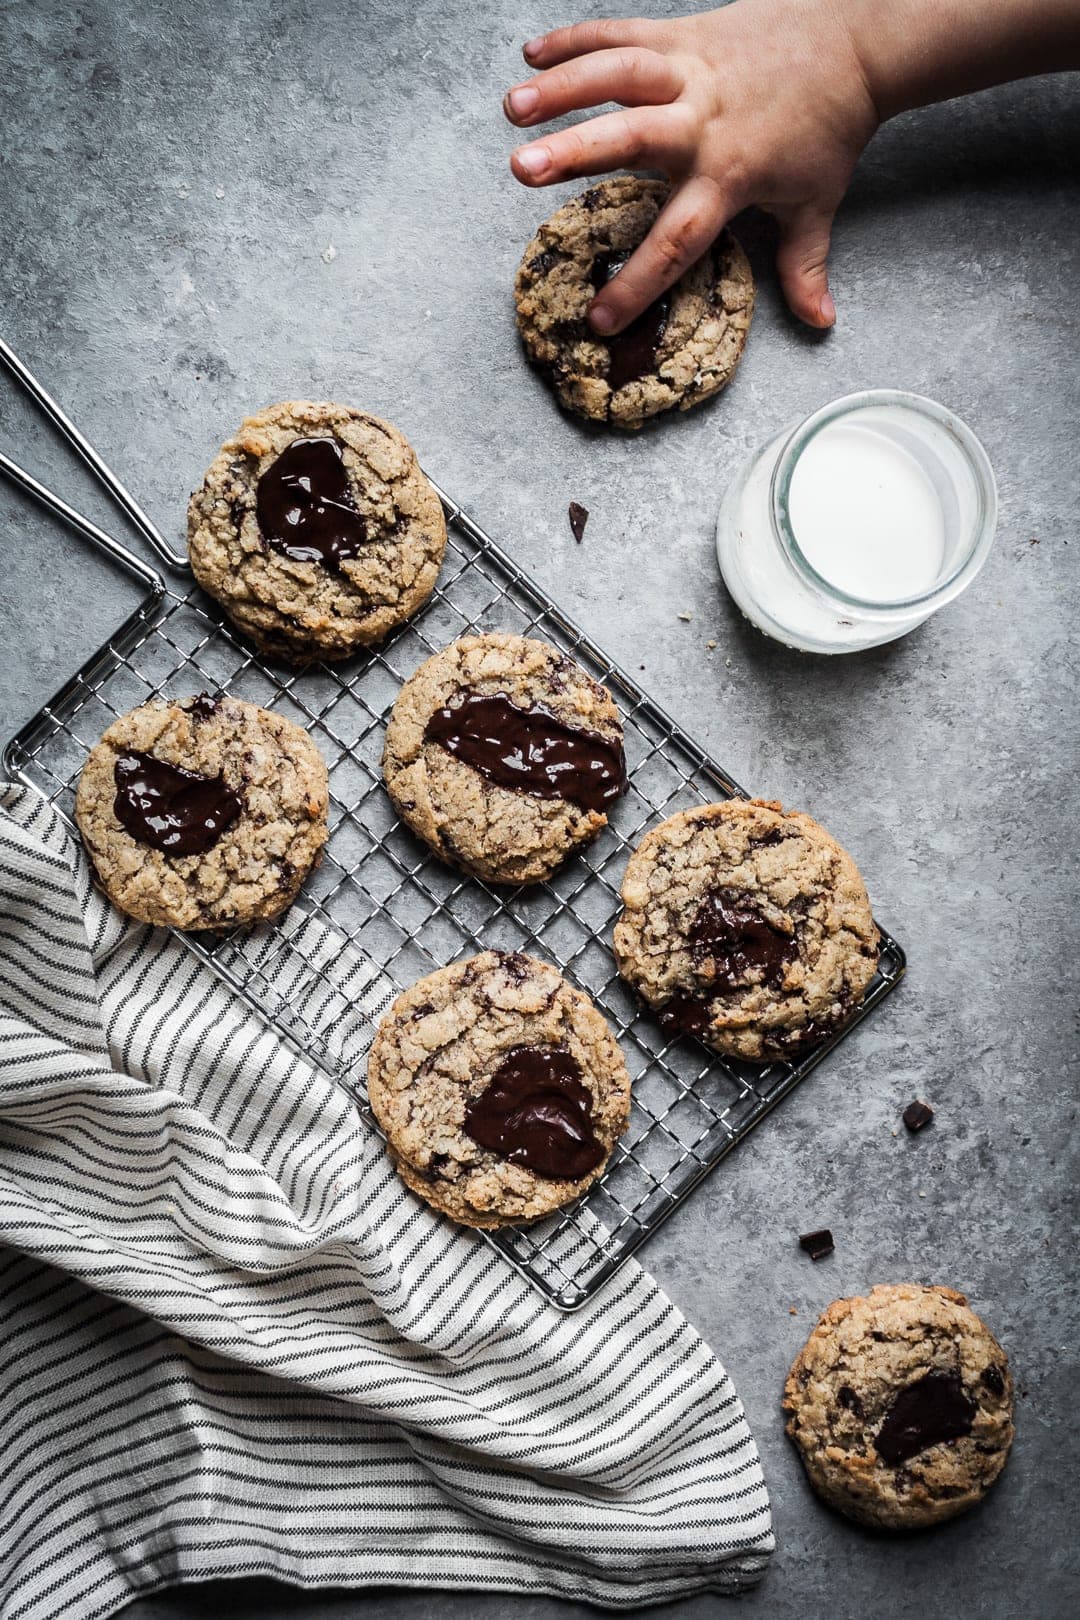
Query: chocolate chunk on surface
[579, 516]
[817, 1244]
[917, 1115]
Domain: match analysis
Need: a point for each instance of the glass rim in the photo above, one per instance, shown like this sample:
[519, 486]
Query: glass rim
[982, 528]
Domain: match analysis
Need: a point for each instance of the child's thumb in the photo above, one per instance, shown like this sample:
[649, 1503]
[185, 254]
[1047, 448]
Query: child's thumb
[802, 260]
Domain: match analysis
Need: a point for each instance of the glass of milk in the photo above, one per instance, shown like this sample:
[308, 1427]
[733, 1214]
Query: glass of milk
[854, 526]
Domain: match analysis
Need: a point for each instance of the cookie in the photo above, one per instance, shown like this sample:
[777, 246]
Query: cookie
[500, 1088]
[316, 530]
[203, 814]
[503, 755]
[747, 926]
[901, 1406]
[682, 350]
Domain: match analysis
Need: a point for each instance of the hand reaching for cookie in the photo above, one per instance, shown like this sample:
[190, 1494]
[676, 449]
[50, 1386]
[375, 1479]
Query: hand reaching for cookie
[766, 102]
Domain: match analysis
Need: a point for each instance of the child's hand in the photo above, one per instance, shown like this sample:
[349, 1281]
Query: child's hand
[761, 103]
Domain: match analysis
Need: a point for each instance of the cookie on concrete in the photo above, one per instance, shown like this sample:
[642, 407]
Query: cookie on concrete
[204, 814]
[500, 1088]
[747, 926]
[316, 530]
[682, 350]
[503, 755]
[901, 1406]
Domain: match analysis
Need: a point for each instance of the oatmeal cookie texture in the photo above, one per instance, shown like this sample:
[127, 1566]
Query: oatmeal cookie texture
[204, 814]
[316, 530]
[901, 1406]
[499, 1039]
[555, 724]
[682, 350]
[747, 926]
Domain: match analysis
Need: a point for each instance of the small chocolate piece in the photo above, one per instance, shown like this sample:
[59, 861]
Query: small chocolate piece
[739, 941]
[928, 1412]
[631, 353]
[916, 1115]
[850, 1400]
[536, 1112]
[530, 750]
[579, 516]
[177, 811]
[305, 507]
[202, 706]
[684, 1015]
[817, 1244]
[994, 1380]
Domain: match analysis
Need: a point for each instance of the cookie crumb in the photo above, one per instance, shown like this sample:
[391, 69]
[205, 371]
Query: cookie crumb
[817, 1244]
[329, 253]
[579, 516]
[792, 1311]
[710, 645]
[219, 192]
[917, 1115]
[686, 617]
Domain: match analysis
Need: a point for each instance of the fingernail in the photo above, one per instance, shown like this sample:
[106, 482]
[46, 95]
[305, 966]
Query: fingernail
[524, 100]
[827, 309]
[532, 48]
[533, 159]
[601, 319]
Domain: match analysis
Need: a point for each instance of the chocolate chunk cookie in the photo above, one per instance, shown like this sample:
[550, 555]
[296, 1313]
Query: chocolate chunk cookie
[316, 530]
[747, 926]
[203, 814]
[504, 755]
[683, 349]
[500, 1088]
[901, 1406]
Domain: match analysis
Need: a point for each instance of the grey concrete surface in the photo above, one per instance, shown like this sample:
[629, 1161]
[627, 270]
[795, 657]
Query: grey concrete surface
[173, 179]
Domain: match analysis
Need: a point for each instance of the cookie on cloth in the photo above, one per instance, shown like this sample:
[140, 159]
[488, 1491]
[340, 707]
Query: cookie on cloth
[500, 1088]
[316, 530]
[747, 926]
[683, 349]
[204, 814]
[503, 755]
[901, 1406]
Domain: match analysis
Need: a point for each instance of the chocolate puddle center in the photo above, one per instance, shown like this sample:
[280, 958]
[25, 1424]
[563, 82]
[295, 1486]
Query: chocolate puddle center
[536, 1112]
[530, 750]
[933, 1409]
[633, 352]
[738, 940]
[305, 507]
[177, 811]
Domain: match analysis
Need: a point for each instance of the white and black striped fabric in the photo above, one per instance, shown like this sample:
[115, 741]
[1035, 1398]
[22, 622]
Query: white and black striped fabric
[233, 1343]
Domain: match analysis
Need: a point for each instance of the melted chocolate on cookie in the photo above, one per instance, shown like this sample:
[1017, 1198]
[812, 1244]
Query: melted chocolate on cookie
[536, 1112]
[933, 1409]
[738, 940]
[632, 353]
[202, 706]
[685, 1015]
[177, 811]
[530, 750]
[305, 507]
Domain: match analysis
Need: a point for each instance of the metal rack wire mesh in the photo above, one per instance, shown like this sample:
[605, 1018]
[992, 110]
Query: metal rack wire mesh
[403, 912]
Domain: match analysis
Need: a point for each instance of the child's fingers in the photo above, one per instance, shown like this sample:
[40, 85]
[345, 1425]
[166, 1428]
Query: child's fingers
[686, 225]
[630, 75]
[801, 262]
[563, 43]
[641, 138]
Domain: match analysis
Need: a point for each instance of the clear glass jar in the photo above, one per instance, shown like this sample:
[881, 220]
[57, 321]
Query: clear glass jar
[855, 525]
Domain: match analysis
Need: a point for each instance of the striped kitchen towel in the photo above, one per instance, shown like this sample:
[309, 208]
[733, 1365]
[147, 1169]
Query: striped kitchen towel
[232, 1342]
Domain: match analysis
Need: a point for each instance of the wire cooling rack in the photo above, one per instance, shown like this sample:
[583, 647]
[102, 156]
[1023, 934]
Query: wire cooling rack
[405, 913]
